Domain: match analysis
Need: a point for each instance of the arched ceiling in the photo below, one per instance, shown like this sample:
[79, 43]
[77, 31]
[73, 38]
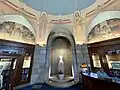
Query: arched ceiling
[59, 7]
[18, 19]
[104, 28]
[99, 18]
[16, 28]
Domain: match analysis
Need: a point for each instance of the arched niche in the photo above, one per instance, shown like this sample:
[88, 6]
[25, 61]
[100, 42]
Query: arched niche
[61, 47]
[63, 35]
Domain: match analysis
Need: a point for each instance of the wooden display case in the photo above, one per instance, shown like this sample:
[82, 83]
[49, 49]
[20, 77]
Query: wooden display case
[17, 53]
[108, 51]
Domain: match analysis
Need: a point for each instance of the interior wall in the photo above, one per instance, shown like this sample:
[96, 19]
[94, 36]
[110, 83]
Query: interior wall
[61, 46]
[38, 69]
[33, 16]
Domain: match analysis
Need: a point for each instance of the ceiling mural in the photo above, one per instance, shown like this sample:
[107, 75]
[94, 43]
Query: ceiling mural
[61, 7]
[16, 32]
[108, 29]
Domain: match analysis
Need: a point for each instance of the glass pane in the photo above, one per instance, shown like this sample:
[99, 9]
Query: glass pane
[4, 72]
[27, 61]
[14, 64]
[113, 61]
[5, 63]
[96, 60]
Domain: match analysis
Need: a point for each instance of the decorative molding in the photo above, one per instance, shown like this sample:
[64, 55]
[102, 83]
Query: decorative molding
[20, 9]
[12, 4]
[103, 6]
[61, 21]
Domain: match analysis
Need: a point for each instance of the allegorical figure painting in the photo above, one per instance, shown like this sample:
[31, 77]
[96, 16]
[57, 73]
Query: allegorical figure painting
[16, 32]
[43, 22]
[78, 26]
[108, 29]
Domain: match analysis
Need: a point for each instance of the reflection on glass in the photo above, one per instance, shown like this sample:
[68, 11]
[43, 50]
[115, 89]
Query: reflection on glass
[27, 61]
[96, 60]
[5, 63]
[115, 65]
[4, 71]
[25, 73]
[14, 64]
[113, 61]
[1, 77]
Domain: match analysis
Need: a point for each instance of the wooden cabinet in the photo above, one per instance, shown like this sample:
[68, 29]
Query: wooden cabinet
[20, 56]
[108, 52]
[90, 83]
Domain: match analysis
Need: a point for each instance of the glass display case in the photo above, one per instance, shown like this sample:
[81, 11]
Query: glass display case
[27, 60]
[25, 73]
[5, 64]
[96, 60]
[26, 67]
[113, 61]
[116, 66]
[15, 63]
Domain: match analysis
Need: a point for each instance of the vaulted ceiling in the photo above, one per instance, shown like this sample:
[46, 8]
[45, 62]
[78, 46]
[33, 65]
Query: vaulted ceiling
[59, 7]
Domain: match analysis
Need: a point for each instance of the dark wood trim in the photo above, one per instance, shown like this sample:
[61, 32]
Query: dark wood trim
[17, 72]
[105, 43]
[15, 44]
[101, 48]
[90, 83]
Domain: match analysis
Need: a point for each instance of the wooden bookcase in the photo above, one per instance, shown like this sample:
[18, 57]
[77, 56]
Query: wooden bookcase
[20, 54]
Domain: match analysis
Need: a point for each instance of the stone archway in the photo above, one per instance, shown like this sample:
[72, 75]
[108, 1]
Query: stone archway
[56, 33]
[61, 47]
